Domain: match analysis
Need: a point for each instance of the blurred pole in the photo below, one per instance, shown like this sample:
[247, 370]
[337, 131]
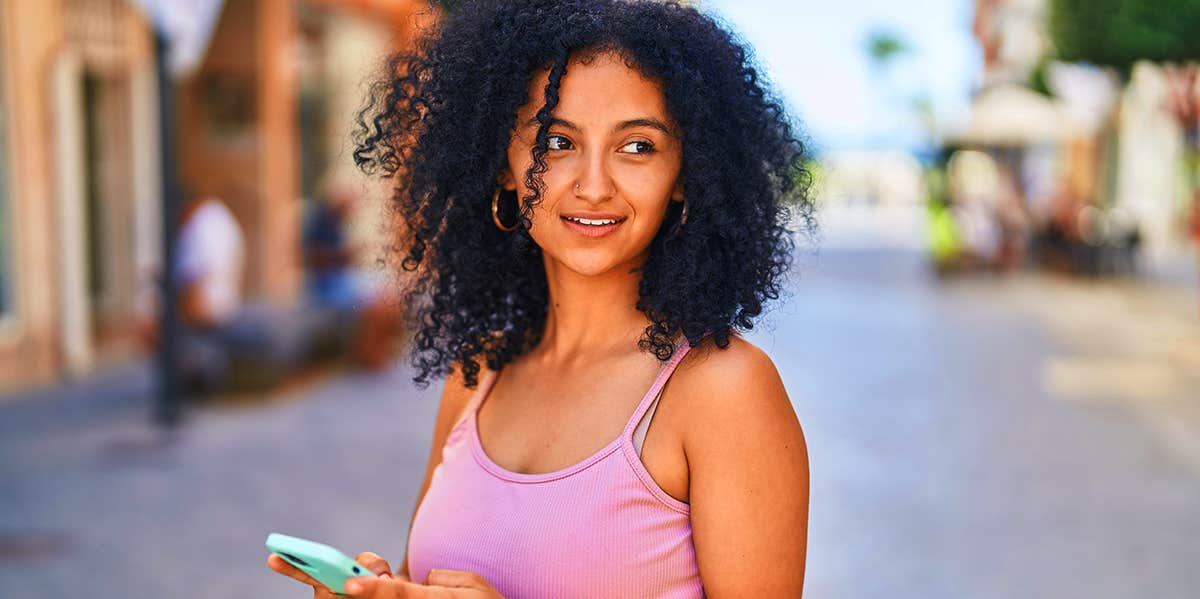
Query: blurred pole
[167, 409]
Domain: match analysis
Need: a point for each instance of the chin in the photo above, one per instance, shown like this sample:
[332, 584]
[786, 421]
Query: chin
[589, 268]
[592, 261]
[590, 264]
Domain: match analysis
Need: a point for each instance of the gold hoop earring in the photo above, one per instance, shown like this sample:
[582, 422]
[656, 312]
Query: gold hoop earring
[682, 219]
[496, 213]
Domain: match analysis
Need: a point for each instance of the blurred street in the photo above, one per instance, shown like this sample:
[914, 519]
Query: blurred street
[976, 437]
[995, 352]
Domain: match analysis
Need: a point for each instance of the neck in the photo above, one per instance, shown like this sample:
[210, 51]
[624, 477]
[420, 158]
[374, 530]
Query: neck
[590, 315]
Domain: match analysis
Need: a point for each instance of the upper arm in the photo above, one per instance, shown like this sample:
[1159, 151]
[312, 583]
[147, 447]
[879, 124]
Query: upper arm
[748, 468]
[455, 396]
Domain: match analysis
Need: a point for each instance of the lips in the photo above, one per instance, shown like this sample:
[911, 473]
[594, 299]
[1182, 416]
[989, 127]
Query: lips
[593, 215]
[602, 227]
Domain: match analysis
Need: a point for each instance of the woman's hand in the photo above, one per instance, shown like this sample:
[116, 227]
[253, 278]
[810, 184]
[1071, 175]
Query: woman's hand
[440, 584]
[369, 560]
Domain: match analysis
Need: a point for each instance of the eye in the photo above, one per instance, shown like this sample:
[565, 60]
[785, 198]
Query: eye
[558, 142]
[639, 147]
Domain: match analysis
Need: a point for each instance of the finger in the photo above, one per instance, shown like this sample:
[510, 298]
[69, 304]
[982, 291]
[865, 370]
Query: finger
[374, 563]
[366, 587]
[281, 566]
[325, 593]
[456, 579]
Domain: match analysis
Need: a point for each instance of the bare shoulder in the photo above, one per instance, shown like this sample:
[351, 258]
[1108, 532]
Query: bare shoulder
[735, 380]
[748, 472]
[452, 407]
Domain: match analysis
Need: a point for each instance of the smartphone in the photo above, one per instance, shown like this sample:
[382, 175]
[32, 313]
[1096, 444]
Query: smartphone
[328, 565]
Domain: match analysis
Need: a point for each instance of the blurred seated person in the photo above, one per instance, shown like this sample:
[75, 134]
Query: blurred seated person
[334, 281]
[211, 257]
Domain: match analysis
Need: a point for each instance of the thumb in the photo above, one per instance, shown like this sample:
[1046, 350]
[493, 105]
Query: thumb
[373, 562]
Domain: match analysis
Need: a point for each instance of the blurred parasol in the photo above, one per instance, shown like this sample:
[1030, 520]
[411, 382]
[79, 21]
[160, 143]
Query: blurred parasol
[1012, 115]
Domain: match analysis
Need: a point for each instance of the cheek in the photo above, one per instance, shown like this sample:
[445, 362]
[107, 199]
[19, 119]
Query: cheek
[649, 192]
[554, 179]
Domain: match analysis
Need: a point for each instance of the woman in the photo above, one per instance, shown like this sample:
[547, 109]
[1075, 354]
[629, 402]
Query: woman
[595, 194]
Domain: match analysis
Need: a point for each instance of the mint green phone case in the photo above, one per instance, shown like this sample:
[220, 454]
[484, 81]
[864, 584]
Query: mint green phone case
[324, 563]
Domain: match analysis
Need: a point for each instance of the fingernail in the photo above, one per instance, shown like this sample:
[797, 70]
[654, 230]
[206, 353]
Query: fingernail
[385, 575]
[353, 587]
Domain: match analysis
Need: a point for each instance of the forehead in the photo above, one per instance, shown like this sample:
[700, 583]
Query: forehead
[599, 91]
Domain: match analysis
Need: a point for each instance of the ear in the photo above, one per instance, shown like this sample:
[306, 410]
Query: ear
[506, 180]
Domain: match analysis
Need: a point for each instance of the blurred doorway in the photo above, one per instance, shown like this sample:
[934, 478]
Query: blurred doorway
[98, 79]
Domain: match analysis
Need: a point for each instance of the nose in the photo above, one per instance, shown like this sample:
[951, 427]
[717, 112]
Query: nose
[594, 183]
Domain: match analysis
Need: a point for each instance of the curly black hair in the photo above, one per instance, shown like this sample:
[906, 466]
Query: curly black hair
[439, 122]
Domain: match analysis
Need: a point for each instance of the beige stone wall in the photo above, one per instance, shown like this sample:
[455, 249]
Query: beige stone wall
[46, 44]
[31, 34]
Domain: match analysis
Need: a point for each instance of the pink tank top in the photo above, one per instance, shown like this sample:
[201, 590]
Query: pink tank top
[599, 528]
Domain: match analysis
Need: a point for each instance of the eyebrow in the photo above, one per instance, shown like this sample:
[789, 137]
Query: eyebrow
[650, 122]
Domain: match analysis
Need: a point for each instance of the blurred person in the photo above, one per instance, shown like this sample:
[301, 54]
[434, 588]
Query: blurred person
[945, 239]
[211, 254]
[978, 230]
[972, 189]
[945, 243]
[210, 259]
[1061, 236]
[1013, 222]
[1194, 225]
[333, 280]
[595, 194]
[1194, 218]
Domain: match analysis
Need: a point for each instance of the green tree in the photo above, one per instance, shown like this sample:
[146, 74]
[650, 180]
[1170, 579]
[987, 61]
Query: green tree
[1118, 33]
[883, 46]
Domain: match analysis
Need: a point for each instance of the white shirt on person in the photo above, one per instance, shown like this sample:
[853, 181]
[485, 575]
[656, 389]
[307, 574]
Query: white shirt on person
[211, 254]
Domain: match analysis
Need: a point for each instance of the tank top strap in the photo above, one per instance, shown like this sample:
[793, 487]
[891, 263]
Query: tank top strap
[664, 373]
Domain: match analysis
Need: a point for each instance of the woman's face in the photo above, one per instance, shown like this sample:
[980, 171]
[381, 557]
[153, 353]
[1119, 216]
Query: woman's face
[614, 155]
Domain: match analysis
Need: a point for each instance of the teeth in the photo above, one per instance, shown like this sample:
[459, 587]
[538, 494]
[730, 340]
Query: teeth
[593, 222]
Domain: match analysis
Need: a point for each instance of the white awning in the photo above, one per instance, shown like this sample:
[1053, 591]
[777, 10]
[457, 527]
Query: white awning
[1013, 115]
[188, 26]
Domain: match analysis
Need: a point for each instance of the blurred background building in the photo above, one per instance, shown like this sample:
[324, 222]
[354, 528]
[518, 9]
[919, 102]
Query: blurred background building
[264, 99]
[1082, 131]
[1068, 153]
[1075, 151]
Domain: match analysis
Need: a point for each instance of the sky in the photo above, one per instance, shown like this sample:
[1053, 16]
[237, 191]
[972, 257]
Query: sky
[814, 53]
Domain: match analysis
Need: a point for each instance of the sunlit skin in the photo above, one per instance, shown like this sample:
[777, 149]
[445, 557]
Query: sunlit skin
[741, 464]
[612, 149]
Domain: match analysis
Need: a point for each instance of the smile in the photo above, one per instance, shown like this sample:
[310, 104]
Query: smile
[590, 227]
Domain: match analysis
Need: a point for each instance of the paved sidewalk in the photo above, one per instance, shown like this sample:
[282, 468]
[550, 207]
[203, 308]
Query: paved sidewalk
[980, 437]
[96, 502]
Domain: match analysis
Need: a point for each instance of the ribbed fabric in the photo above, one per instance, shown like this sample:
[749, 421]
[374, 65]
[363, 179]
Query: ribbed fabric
[599, 528]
